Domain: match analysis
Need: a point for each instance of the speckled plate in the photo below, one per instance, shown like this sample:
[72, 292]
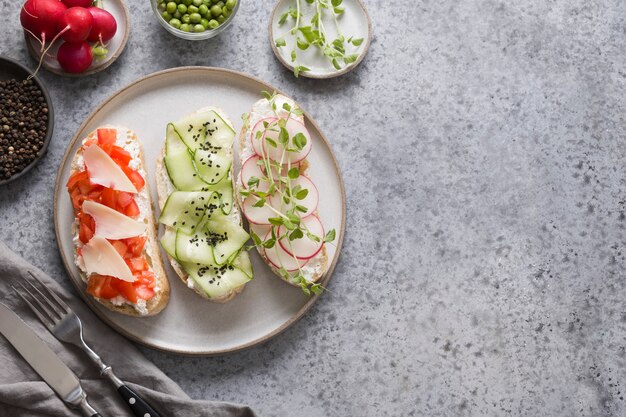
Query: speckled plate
[354, 22]
[115, 46]
[190, 324]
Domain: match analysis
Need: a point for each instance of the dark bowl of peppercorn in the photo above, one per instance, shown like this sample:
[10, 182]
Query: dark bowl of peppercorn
[26, 120]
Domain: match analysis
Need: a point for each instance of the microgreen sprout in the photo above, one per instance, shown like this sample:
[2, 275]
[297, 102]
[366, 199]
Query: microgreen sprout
[315, 34]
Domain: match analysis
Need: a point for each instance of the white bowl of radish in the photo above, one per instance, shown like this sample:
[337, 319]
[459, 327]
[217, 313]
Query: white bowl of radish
[75, 37]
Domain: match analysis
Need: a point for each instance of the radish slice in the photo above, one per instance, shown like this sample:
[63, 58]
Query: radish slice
[304, 248]
[250, 169]
[259, 127]
[311, 201]
[293, 127]
[101, 258]
[279, 258]
[111, 224]
[256, 215]
[104, 171]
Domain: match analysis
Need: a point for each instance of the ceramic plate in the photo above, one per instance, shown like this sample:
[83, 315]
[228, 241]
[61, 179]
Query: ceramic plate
[354, 22]
[115, 46]
[190, 324]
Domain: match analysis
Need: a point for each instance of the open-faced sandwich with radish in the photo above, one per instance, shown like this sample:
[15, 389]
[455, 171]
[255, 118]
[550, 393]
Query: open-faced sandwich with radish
[203, 235]
[276, 195]
[115, 243]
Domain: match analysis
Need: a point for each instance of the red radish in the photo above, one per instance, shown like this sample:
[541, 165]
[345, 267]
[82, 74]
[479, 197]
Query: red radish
[75, 24]
[77, 3]
[259, 127]
[75, 57]
[279, 258]
[40, 18]
[293, 127]
[256, 215]
[304, 248]
[104, 25]
[250, 169]
[310, 201]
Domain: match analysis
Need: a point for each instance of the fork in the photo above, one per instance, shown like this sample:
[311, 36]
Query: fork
[65, 325]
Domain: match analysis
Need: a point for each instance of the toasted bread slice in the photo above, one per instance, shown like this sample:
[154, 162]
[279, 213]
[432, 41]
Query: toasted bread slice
[165, 188]
[318, 265]
[128, 140]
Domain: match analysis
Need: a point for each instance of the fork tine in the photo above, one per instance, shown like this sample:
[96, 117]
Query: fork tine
[43, 299]
[45, 309]
[44, 319]
[56, 298]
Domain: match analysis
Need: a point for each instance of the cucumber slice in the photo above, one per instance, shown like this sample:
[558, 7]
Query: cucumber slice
[194, 247]
[179, 163]
[206, 130]
[184, 209]
[214, 280]
[228, 239]
[225, 190]
[242, 262]
[211, 167]
[168, 241]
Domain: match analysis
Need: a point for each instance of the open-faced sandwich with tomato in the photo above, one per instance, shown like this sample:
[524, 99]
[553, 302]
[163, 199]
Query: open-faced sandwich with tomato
[203, 235]
[277, 196]
[114, 230]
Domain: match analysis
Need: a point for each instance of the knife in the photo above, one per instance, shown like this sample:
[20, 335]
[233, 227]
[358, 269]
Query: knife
[44, 361]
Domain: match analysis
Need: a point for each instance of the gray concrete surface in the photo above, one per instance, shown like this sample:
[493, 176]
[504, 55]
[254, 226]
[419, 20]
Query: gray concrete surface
[483, 148]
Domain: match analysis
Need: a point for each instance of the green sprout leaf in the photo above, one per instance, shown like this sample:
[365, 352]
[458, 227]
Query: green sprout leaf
[280, 42]
[300, 68]
[293, 173]
[283, 136]
[283, 18]
[357, 41]
[259, 203]
[276, 221]
[296, 234]
[299, 140]
[253, 181]
[313, 237]
[330, 236]
[301, 195]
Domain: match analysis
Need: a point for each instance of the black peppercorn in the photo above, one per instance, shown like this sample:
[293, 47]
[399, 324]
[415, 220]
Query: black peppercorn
[23, 117]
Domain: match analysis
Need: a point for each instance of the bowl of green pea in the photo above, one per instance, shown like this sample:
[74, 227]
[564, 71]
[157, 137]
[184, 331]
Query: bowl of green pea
[195, 19]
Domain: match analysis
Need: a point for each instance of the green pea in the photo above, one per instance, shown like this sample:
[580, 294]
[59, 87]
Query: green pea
[197, 3]
[192, 9]
[231, 4]
[185, 27]
[198, 28]
[226, 12]
[206, 2]
[162, 6]
[214, 1]
[182, 8]
[204, 23]
[220, 3]
[187, 2]
[165, 15]
[177, 14]
[213, 24]
[175, 23]
[221, 18]
[171, 7]
[203, 10]
[195, 18]
[186, 18]
[216, 10]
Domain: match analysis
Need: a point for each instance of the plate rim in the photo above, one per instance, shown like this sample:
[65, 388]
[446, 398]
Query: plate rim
[94, 307]
[110, 60]
[333, 74]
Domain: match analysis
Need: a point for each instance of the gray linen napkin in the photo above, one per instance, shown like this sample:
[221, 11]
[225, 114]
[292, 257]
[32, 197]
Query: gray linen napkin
[23, 393]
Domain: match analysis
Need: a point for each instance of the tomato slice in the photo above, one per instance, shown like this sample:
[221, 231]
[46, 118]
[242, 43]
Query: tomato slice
[124, 199]
[134, 177]
[137, 264]
[132, 209]
[78, 177]
[85, 230]
[144, 292]
[108, 197]
[102, 286]
[127, 290]
[107, 136]
[120, 155]
[120, 247]
[89, 142]
[135, 245]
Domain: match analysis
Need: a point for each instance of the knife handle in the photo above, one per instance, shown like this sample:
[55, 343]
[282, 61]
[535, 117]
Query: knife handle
[139, 407]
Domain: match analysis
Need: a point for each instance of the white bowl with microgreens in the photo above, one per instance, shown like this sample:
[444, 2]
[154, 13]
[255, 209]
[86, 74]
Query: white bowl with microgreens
[320, 38]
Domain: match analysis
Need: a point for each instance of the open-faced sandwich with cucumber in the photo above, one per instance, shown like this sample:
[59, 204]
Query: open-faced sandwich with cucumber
[276, 195]
[115, 243]
[203, 237]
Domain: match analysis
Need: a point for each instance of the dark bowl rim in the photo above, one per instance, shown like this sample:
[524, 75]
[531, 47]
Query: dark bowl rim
[49, 127]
